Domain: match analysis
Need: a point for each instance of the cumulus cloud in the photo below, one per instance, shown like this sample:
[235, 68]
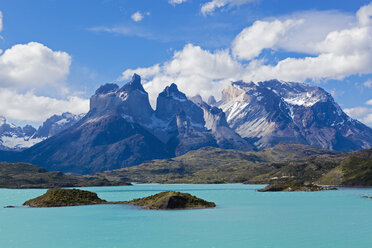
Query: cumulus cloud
[29, 107]
[357, 112]
[364, 15]
[175, 2]
[252, 40]
[25, 68]
[138, 16]
[335, 54]
[196, 71]
[312, 27]
[32, 65]
[209, 7]
[369, 102]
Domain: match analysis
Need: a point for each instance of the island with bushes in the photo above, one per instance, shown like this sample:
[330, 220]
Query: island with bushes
[76, 197]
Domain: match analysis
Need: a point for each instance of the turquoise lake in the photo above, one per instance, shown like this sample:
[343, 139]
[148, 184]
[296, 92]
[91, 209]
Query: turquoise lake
[243, 218]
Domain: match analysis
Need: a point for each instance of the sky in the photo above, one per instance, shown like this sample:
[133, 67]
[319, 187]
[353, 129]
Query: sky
[54, 54]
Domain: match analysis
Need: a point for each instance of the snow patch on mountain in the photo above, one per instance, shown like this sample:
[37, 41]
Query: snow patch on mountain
[274, 112]
[19, 138]
[18, 143]
[306, 99]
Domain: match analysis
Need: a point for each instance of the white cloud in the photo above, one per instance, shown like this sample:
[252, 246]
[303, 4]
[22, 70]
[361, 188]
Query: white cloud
[29, 107]
[32, 65]
[209, 7]
[357, 111]
[196, 71]
[367, 119]
[1, 21]
[363, 114]
[364, 15]
[145, 72]
[314, 27]
[174, 2]
[324, 66]
[252, 40]
[138, 16]
[26, 68]
[341, 53]
[369, 102]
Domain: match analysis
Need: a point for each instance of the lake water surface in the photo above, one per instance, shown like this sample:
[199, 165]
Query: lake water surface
[243, 218]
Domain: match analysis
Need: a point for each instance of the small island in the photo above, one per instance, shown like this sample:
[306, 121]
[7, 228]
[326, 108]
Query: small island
[76, 197]
[293, 187]
[171, 200]
[64, 198]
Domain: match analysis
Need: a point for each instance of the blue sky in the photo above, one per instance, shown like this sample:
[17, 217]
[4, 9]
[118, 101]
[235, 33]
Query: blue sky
[54, 54]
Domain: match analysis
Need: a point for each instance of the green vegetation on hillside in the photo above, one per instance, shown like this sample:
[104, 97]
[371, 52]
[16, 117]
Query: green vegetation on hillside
[23, 175]
[214, 165]
[307, 170]
[279, 164]
[355, 170]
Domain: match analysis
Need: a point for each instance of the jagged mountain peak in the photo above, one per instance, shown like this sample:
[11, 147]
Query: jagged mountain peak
[130, 101]
[173, 92]
[197, 99]
[107, 88]
[211, 100]
[134, 84]
[171, 101]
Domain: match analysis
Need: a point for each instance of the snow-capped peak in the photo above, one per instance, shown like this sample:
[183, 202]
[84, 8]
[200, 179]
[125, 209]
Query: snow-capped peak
[306, 99]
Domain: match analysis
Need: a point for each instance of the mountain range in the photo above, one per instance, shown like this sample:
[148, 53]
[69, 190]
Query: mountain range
[121, 128]
[13, 138]
[274, 112]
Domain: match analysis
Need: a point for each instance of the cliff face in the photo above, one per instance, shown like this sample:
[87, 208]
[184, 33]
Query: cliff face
[108, 137]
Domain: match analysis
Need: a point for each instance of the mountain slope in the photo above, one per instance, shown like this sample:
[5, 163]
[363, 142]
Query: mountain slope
[274, 112]
[355, 170]
[214, 165]
[279, 164]
[22, 175]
